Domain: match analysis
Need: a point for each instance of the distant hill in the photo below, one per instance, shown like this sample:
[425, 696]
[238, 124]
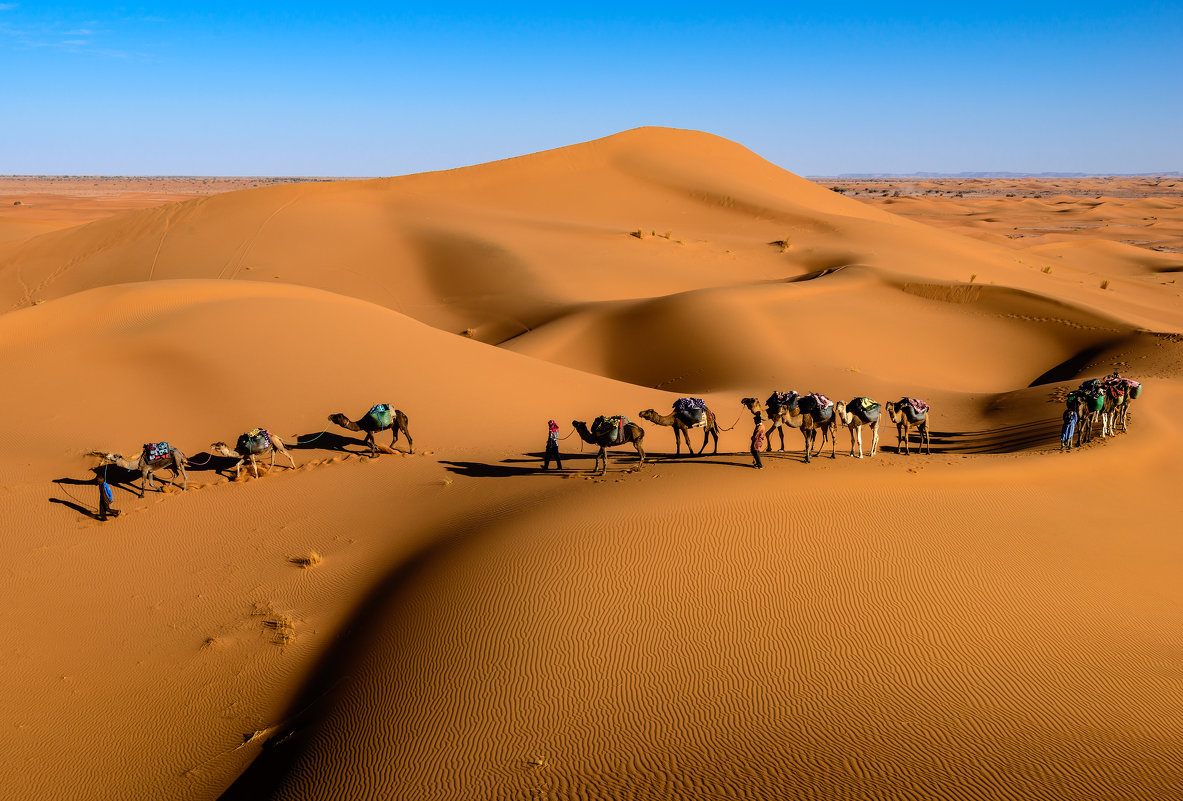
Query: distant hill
[872, 175]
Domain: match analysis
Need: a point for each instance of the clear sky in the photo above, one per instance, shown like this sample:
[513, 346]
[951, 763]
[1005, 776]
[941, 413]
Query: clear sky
[365, 89]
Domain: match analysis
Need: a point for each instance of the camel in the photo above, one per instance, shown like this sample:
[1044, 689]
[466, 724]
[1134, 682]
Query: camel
[631, 433]
[792, 416]
[854, 416]
[904, 415]
[1089, 401]
[780, 409]
[172, 459]
[249, 447]
[1081, 405]
[810, 420]
[378, 418]
[682, 421]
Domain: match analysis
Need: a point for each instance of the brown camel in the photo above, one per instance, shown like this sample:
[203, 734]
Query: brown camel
[378, 418]
[780, 410]
[906, 416]
[792, 416]
[250, 446]
[146, 466]
[854, 416]
[631, 432]
[684, 420]
[812, 418]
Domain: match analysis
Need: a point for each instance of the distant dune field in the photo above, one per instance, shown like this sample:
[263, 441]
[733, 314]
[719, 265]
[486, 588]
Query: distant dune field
[995, 619]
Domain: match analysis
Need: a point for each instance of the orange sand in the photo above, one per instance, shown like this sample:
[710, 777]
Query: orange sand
[996, 620]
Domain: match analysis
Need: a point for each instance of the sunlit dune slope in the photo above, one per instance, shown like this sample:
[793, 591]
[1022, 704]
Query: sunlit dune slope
[501, 248]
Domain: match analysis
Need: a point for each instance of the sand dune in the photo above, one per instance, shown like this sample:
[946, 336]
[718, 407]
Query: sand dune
[993, 620]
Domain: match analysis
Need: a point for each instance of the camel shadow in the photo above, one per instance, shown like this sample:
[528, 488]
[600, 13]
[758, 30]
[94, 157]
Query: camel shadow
[1005, 439]
[205, 462]
[513, 467]
[328, 441]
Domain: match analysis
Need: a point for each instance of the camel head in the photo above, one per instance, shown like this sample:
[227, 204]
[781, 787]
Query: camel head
[751, 404]
[221, 448]
[337, 417]
[648, 414]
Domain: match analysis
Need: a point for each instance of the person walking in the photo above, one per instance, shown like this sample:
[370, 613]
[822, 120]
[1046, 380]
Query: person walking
[105, 499]
[552, 447]
[1068, 430]
[758, 443]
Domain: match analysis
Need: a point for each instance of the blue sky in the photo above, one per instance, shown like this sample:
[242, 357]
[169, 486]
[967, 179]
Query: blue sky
[368, 89]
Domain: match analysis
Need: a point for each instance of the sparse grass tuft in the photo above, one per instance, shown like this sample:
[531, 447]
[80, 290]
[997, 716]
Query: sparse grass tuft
[284, 628]
[468, 332]
[639, 234]
[1105, 284]
[973, 277]
[311, 560]
[1047, 269]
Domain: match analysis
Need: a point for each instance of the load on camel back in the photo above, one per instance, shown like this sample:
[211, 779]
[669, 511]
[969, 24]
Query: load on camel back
[381, 414]
[611, 428]
[692, 411]
[818, 406]
[254, 441]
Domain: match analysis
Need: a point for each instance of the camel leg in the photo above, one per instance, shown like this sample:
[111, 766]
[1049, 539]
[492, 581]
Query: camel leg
[238, 468]
[640, 453]
[279, 445]
[833, 439]
[369, 440]
[768, 444]
[856, 434]
[603, 454]
[927, 440]
[254, 465]
[407, 433]
[808, 444]
[874, 437]
[144, 480]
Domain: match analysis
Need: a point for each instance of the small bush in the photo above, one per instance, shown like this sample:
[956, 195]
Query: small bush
[1047, 269]
[973, 277]
[1105, 284]
[639, 234]
[311, 560]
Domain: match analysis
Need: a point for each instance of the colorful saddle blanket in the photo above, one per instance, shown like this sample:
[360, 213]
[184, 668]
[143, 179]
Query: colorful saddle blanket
[255, 441]
[381, 414]
[155, 451]
[691, 410]
[919, 406]
[610, 427]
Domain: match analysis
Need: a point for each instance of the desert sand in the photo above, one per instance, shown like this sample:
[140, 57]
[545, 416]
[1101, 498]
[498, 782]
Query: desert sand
[994, 620]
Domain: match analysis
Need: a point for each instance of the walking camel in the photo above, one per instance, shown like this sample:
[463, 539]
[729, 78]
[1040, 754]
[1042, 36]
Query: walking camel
[780, 409]
[249, 447]
[610, 437]
[795, 416]
[906, 413]
[155, 456]
[682, 419]
[814, 418]
[378, 418]
[856, 414]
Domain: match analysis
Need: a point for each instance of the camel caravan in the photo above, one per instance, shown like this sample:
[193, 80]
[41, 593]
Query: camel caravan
[1098, 400]
[1102, 404]
[254, 445]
